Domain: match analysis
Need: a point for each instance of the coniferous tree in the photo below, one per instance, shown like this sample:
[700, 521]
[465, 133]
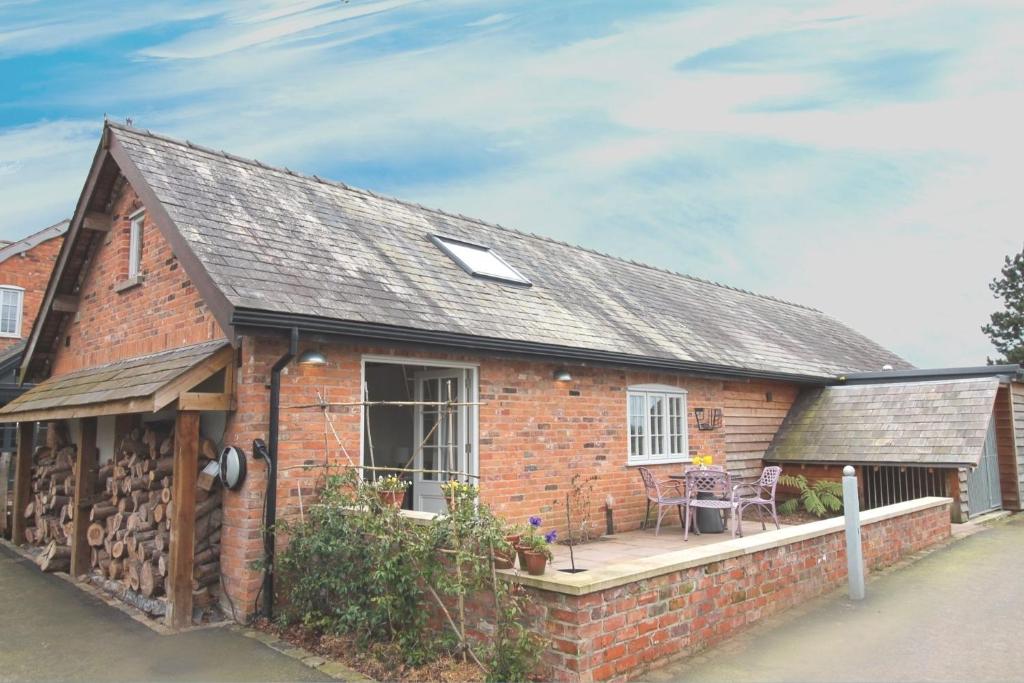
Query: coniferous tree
[1006, 329]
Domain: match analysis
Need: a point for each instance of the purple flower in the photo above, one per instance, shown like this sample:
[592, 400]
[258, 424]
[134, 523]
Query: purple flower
[534, 521]
[551, 536]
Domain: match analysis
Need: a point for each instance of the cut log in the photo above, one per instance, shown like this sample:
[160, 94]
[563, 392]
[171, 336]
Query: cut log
[101, 511]
[95, 534]
[150, 581]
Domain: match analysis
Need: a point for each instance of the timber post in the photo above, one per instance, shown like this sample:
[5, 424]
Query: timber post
[186, 466]
[85, 486]
[22, 480]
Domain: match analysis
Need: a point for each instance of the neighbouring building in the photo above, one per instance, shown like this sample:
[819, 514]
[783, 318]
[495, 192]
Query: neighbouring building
[192, 283]
[25, 267]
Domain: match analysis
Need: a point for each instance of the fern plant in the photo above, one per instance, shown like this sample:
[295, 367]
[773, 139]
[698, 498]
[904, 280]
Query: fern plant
[818, 498]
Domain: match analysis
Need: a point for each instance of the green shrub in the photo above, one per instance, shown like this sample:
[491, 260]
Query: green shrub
[358, 567]
[818, 498]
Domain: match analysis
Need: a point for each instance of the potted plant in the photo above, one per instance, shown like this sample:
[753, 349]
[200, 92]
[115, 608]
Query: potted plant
[533, 549]
[458, 494]
[391, 490]
[701, 461]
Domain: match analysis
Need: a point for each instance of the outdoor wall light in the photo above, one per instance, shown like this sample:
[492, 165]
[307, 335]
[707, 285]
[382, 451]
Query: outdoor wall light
[562, 375]
[312, 357]
[708, 418]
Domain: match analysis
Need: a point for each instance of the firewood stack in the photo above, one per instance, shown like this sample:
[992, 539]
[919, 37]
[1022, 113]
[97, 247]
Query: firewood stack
[48, 515]
[131, 522]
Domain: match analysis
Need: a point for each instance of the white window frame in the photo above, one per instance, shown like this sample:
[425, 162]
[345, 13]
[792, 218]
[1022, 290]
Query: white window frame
[664, 392]
[135, 243]
[20, 291]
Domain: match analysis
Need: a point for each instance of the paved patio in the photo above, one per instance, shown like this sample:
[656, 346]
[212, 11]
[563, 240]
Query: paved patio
[635, 545]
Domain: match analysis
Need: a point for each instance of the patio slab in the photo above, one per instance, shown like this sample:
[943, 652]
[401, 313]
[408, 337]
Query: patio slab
[640, 544]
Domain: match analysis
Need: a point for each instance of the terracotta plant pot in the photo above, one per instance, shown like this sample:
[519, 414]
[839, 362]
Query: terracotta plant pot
[536, 563]
[392, 498]
[507, 560]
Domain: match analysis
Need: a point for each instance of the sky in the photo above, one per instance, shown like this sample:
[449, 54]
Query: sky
[859, 157]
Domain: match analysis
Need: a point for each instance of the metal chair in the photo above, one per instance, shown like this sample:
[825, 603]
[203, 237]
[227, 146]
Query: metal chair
[714, 483]
[759, 494]
[665, 493]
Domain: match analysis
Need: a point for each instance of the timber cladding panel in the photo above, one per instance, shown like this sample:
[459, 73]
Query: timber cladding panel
[163, 312]
[1009, 467]
[753, 413]
[535, 435]
[29, 270]
[1017, 413]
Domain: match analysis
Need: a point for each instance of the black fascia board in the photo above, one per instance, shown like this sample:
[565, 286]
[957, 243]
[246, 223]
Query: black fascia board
[279, 322]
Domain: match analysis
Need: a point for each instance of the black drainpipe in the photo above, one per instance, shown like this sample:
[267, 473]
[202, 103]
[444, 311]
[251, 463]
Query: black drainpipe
[270, 517]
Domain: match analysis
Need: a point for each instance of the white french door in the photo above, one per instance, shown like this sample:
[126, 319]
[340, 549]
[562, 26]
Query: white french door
[442, 434]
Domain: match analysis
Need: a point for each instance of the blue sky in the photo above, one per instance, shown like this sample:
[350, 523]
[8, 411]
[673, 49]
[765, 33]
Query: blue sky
[859, 157]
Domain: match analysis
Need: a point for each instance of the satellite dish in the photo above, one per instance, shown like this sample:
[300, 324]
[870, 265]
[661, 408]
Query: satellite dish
[232, 467]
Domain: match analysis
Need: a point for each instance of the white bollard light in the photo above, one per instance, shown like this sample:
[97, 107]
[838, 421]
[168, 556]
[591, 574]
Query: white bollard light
[854, 553]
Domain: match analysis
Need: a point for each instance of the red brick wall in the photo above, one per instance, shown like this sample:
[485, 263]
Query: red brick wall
[617, 633]
[29, 270]
[535, 434]
[162, 312]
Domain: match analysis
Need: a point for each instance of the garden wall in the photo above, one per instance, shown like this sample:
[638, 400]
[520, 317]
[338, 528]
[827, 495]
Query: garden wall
[616, 622]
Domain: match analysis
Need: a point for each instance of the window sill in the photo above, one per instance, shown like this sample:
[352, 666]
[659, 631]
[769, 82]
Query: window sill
[662, 461]
[128, 284]
[6, 335]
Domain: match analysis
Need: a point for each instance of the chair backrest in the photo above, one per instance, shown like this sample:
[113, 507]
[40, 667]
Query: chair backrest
[770, 479]
[715, 482]
[650, 483]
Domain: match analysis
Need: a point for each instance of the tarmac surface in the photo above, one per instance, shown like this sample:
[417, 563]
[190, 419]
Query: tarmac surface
[52, 631]
[954, 615]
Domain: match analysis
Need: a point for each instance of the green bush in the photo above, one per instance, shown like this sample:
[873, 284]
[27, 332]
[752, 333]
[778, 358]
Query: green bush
[357, 567]
[818, 498]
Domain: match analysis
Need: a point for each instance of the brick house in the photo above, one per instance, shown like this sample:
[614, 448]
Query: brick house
[25, 267]
[193, 283]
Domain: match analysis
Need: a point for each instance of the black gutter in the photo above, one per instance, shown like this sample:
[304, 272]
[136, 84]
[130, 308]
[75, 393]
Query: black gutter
[247, 318]
[270, 515]
[980, 371]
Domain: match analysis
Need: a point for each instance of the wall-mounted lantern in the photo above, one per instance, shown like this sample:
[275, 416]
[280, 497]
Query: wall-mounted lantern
[562, 375]
[708, 418]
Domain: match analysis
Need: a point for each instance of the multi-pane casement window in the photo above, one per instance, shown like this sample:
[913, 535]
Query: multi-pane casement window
[656, 420]
[135, 245]
[10, 310]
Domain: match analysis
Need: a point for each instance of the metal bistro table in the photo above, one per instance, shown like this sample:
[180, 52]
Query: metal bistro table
[709, 520]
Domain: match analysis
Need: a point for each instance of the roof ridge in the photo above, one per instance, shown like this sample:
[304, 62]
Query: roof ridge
[450, 214]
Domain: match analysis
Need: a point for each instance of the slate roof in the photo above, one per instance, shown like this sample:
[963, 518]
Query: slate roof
[273, 240]
[9, 249]
[134, 378]
[912, 423]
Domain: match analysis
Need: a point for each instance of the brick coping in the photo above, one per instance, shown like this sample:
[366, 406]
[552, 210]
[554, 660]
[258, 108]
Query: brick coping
[619, 574]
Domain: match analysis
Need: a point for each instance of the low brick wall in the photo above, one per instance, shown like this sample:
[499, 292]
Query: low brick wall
[607, 626]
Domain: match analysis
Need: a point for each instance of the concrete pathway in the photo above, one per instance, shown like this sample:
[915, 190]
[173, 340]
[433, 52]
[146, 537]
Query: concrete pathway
[955, 615]
[52, 631]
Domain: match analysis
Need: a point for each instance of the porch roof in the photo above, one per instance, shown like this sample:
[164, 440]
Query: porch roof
[914, 423]
[136, 385]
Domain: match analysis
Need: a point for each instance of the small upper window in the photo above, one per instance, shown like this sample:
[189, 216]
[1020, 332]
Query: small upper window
[135, 245]
[10, 311]
[479, 261]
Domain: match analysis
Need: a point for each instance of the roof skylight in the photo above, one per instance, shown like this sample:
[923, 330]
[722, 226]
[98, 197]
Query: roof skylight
[479, 261]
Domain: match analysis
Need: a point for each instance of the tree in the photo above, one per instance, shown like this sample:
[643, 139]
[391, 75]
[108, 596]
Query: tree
[1007, 327]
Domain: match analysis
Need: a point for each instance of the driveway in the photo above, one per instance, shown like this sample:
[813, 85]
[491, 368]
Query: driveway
[955, 615]
[52, 631]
